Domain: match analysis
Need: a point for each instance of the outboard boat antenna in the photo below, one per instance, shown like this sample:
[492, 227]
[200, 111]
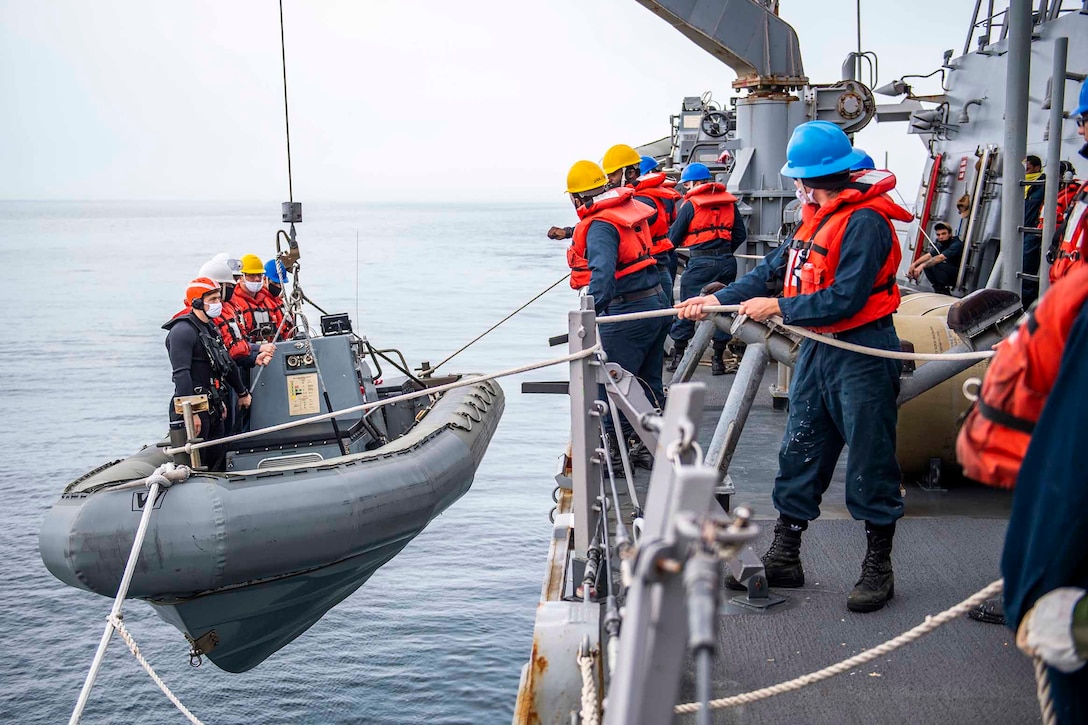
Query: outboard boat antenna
[292, 210]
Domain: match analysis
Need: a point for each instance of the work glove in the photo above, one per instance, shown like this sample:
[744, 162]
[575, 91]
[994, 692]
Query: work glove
[557, 233]
[1047, 630]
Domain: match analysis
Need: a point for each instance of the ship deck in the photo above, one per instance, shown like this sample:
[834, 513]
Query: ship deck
[947, 548]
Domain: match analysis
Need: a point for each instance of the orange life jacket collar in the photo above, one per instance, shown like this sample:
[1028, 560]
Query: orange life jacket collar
[629, 217]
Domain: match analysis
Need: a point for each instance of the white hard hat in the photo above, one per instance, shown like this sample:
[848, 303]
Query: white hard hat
[218, 270]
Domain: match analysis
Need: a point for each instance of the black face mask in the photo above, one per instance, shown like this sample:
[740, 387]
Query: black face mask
[228, 292]
[274, 289]
[1084, 151]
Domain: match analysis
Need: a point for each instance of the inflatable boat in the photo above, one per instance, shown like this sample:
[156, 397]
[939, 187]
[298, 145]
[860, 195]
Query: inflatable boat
[244, 559]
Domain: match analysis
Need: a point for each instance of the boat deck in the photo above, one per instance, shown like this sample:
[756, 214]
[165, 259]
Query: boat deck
[947, 548]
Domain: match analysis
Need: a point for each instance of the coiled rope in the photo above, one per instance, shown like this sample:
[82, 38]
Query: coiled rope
[857, 660]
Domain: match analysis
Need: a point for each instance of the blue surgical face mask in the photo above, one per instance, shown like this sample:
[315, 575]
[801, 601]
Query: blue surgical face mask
[215, 309]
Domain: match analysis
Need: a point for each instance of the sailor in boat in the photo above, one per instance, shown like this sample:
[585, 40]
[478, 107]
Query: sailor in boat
[275, 278]
[261, 313]
[623, 166]
[200, 362]
[838, 275]
[709, 227]
[942, 264]
[246, 354]
[609, 254]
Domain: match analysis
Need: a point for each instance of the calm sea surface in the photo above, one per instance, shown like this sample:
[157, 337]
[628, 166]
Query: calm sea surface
[440, 633]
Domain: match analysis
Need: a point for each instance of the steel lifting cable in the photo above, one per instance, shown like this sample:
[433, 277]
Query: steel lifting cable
[286, 115]
[491, 329]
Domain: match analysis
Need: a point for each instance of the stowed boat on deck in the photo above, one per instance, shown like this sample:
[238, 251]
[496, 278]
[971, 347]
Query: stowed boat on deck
[244, 560]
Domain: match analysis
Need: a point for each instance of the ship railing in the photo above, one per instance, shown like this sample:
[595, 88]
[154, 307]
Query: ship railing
[984, 22]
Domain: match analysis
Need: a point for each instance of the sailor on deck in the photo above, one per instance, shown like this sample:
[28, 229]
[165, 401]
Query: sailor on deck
[610, 254]
[1072, 244]
[623, 166]
[199, 360]
[941, 265]
[838, 274]
[709, 227]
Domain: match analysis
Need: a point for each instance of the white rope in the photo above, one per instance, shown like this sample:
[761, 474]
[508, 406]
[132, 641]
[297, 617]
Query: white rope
[802, 332]
[189, 447]
[590, 714]
[163, 477]
[877, 352]
[119, 625]
[1042, 692]
[846, 665]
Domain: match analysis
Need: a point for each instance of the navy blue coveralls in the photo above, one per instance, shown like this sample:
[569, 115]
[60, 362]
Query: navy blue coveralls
[666, 261]
[837, 397]
[710, 262]
[943, 274]
[1033, 243]
[1046, 545]
[635, 346]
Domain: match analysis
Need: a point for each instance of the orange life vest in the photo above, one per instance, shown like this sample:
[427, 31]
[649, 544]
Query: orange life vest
[654, 186]
[995, 435]
[1074, 237]
[817, 243]
[629, 217]
[714, 209]
[230, 329]
[260, 314]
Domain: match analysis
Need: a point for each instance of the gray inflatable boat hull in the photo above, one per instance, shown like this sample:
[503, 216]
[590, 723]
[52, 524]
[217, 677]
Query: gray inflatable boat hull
[257, 557]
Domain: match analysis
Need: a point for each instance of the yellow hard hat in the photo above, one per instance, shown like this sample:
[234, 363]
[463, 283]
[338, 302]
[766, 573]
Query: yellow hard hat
[619, 156]
[252, 264]
[583, 176]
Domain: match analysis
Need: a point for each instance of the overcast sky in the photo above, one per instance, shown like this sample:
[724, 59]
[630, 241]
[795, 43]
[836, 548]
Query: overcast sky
[420, 99]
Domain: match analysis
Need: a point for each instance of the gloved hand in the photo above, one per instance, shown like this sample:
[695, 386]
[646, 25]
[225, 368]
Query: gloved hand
[712, 288]
[557, 233]
[1047, 630]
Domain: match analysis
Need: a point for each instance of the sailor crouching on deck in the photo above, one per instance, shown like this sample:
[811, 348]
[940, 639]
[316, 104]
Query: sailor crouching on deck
[200, 362]
[838, 274]
[610, 254]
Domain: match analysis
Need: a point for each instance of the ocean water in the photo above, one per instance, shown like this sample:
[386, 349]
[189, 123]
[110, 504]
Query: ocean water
[440, 633]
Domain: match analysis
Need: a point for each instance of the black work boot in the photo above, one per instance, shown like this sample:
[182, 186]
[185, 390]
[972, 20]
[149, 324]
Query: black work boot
[673, 362]
[640, 455]
[992, 611]
[877, 584]
[782, 562]
[613, 450]
[717, 359]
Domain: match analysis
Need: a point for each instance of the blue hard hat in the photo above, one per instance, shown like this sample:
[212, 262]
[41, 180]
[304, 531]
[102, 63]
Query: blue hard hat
[647, 164]
[1082, 106]
[819, 148]
[695, 172]
[275, 272]
[865, 163]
